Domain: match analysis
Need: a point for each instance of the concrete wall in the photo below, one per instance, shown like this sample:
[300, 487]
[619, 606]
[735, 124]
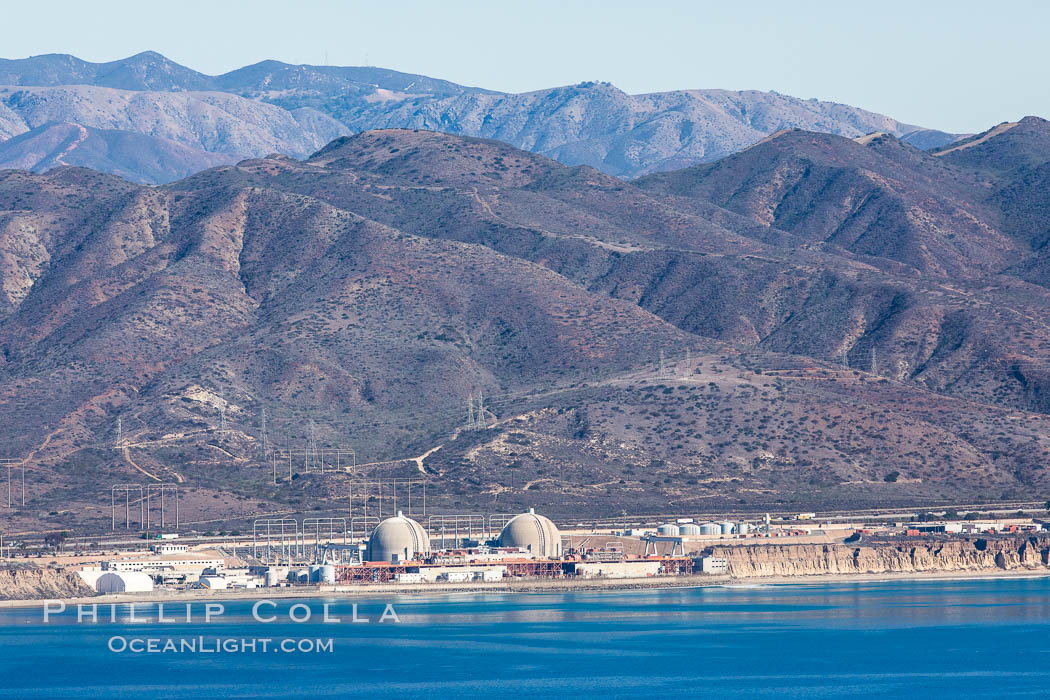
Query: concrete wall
[614, 569]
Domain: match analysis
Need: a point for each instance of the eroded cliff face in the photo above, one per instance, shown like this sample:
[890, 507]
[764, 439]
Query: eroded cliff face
[37, 583]
[956, 555]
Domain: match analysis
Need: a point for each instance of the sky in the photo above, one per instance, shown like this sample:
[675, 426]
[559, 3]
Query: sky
[959, 66]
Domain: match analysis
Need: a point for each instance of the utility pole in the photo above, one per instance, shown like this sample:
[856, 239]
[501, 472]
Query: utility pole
[11, 464]
[265, 437]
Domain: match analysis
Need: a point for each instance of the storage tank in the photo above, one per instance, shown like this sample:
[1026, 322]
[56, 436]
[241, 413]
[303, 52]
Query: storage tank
[726, 527]
[743, 528]
[315, 573]
[667, 529]
[689, 530]
[214, 583]
[327, 574]
[710, 529]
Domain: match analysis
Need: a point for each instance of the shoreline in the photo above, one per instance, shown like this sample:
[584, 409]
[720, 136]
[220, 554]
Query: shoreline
[354, 591]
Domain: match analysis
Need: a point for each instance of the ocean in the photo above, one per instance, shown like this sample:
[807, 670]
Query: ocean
[929, 639]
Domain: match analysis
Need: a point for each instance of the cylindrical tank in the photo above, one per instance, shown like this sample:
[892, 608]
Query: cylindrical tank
[710, 529]
[689, 529]
[315, 573]
[726, 527]
[743, 528]
[273, 576]
[668, 529]
[327, 574]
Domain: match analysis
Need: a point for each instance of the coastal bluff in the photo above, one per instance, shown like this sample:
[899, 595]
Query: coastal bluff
[978, 554]
[37, 582]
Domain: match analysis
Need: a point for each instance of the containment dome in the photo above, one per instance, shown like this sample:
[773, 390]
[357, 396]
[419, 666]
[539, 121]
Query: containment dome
[397, 539]
[533, 533]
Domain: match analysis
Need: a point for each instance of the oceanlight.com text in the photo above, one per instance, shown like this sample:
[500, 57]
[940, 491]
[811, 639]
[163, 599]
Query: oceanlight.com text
[218, 645]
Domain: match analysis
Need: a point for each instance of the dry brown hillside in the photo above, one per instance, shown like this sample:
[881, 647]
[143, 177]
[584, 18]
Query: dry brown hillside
[663, 347]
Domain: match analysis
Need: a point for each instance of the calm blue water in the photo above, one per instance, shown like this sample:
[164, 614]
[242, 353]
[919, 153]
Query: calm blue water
[988, 638]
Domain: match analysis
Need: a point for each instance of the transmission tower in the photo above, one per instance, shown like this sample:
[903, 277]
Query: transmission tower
[477, 415]
[222, 416]
[484, 414]
[874, 363]
[120, 432]
[663, 363]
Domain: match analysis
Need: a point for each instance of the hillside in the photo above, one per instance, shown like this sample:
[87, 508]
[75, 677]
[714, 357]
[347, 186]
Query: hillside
[1012, 161]
[689, 342]
[294, 109]
[874, 196]
[136, 157]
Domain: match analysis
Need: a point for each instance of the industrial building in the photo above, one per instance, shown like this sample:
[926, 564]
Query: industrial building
[399, 550]
[124, 582]
[532, 533]
[191, 562]
[528, 546]
[397, 539]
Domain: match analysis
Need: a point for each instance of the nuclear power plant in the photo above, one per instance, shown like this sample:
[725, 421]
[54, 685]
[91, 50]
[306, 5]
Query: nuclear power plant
[529, 545]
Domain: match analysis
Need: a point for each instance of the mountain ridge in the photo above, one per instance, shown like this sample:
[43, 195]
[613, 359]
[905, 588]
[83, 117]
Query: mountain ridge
[590, 123]
[631, 347]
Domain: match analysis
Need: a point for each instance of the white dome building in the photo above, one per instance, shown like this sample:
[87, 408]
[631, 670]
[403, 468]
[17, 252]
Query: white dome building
[397, 539]
[533, 533]
[124, 582]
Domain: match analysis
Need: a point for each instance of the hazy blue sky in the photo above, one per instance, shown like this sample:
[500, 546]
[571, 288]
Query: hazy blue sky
[960, 65]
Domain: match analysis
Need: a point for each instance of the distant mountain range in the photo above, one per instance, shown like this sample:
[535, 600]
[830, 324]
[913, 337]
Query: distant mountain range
[813, 321]
[273, 107]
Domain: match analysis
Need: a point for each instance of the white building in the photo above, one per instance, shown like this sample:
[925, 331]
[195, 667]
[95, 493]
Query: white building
[124, 582]
[190, 562]
[714, 565]
[614, 569]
